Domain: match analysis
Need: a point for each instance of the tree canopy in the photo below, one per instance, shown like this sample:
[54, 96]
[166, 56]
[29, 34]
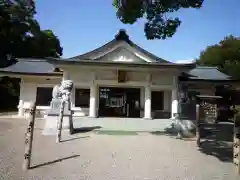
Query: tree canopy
[225, 55]
[21, 35]
[159, 23]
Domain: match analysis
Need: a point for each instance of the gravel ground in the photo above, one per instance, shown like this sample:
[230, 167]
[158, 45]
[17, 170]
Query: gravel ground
[104, 157]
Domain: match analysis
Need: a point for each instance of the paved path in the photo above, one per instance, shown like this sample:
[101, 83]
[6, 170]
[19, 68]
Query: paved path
[102, 157]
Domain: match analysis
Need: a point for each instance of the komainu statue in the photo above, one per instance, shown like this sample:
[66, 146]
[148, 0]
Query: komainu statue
[63, 91]
[66, 89]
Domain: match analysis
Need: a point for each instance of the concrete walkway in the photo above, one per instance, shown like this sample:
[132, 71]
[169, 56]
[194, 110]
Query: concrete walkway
[89, 156]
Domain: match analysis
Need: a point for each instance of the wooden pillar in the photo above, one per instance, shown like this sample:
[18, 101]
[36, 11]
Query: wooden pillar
[236, 142]
[198, 137]
[29, 137]
[60, 121]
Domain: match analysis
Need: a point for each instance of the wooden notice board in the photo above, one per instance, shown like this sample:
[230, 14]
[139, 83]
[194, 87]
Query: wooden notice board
[121, 76]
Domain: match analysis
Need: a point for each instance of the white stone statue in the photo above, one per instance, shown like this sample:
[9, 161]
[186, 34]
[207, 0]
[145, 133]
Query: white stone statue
[65, 89]
[61, 108]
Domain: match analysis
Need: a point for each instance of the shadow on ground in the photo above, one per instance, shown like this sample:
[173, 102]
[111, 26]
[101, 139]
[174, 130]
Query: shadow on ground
[221, 150]
[76, 138]
[216, 140]
[173, 132]
[55, 161]
[85, 129]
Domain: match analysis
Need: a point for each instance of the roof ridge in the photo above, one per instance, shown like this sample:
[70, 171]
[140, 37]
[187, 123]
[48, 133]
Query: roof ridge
[121, 37]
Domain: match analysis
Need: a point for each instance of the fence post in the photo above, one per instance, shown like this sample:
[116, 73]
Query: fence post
[198, 136]
[29, 137]
[60, 121]
[236, 142]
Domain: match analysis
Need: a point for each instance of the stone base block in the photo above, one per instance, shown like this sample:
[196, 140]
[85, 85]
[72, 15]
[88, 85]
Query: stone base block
[50, 127]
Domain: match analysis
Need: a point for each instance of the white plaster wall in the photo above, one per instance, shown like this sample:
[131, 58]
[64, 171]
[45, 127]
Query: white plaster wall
[136, 76]
[106, 75]
[82, 78]
[162, 78]
[27, 96]
[28, 92]
[43, 81]
[80, 75]
[29, 86]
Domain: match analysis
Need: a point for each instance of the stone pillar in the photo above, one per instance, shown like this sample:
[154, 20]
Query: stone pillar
[21, 101]
[147, 104]
[174, 103]
[20, 108]
[93, 100]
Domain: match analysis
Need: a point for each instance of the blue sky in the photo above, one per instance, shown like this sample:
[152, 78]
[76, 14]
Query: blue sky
[84, 25]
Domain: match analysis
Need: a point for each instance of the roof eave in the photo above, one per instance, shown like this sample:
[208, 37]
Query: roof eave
[56, 61]
[7, 73]
[212, 80]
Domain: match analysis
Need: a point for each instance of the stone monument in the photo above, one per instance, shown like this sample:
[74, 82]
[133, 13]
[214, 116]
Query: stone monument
[59, 94]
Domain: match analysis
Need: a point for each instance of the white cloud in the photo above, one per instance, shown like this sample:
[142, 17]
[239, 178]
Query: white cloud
[187, 61]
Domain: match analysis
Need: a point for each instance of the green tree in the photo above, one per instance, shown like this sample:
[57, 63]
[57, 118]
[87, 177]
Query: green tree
[21, 35]
[159, 23]
[225, 55]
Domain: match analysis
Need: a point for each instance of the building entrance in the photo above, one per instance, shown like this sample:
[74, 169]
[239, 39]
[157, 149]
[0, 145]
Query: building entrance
[119, 102]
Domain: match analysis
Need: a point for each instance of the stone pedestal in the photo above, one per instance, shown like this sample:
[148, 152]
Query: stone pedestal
[50, 127]
[185, 127]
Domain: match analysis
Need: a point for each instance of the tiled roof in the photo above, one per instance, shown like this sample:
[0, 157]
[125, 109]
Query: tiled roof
[41, 67]
[30, 66]
[207, 73]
